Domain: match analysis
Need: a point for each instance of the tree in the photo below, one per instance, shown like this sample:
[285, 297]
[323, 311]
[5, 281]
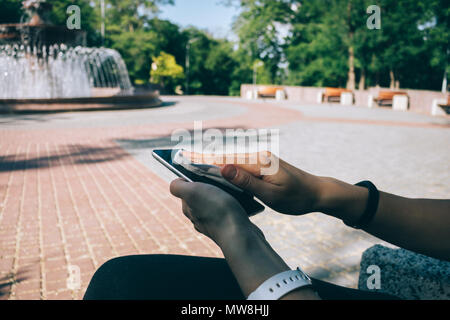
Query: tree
[211, 63]
[401, 39]
[136, 48]
[262, 27]
[436, 28]
[166, 72]
[133, 29]
[242, 72]
[170, 38]
[331, 44]
[11, 11]
[130, 15]
[316, 53]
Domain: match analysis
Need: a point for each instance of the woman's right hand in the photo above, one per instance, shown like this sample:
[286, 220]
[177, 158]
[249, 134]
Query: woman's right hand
[287, 190]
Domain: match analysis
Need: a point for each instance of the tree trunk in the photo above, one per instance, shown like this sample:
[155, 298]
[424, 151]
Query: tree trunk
[392, 77]
[351, 82]
[351, 68]
[362, 80]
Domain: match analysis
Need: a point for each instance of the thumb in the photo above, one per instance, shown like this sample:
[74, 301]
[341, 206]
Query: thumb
[181, 188]
[245, 180]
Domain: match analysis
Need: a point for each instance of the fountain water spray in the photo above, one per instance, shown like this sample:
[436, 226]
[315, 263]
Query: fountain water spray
[59, 72]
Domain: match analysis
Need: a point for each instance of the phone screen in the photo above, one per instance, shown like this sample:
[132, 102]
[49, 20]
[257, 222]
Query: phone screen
[247, 201]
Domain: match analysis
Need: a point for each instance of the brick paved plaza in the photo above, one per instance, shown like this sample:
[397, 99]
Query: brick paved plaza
[77, 189]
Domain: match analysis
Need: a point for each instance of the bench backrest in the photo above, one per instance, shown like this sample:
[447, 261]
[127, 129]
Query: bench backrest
[335, 92]
[269, 91]
[389, 95]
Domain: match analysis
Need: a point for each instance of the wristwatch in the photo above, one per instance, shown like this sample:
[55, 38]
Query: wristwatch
[280, 285]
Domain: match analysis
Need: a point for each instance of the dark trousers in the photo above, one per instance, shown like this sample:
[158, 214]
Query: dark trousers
[175, 277]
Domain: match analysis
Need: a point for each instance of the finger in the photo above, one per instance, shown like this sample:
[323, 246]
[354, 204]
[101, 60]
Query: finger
[246, 181]
[181, 188]
[251, 162]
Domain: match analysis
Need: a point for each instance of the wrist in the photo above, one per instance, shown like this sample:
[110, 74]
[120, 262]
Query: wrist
[231, 229]
[341, 200]
[328, 195]
[239, 237]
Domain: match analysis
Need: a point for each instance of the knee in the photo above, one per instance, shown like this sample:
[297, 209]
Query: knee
[115, 276]
[120, 266]
[110, 267]
[108, 277]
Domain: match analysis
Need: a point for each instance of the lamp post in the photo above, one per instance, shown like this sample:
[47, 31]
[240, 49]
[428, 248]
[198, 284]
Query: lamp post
[102, 27]
[444, 80]
[256, 65]
[188, 48]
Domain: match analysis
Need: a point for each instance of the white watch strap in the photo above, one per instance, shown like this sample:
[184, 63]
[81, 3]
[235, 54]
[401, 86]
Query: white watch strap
[280, 284]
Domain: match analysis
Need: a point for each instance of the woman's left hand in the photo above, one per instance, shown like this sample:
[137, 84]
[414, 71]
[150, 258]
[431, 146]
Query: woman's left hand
[220, 217]
[213, 212]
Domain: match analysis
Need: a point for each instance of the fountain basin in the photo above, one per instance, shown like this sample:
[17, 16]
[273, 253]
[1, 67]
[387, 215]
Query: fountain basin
[102, 101]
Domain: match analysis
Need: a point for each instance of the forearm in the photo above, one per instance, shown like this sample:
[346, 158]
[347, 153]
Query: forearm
[253, 261]
[420, 225]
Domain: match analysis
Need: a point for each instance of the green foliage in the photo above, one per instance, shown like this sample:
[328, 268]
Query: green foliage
[242, 72]
[258, 27]
[136, 48]
[317, 54]
[131, 15]
[10, 11]
[212, 64]
[308, 42]
[165, 71]
[436, 24]
[324, 30]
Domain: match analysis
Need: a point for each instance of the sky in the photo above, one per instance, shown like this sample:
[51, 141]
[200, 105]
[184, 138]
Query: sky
[204, 14]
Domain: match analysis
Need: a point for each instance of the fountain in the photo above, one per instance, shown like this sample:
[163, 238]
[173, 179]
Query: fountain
[46, 68]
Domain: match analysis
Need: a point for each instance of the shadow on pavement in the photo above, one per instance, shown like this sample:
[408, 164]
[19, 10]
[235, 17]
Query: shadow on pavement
[76, 154]
[168, 141]
[7, 281]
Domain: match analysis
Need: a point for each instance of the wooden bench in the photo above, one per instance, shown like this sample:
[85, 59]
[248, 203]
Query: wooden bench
[268, 92]
[385, 98]
[333, 94]
[446, 106]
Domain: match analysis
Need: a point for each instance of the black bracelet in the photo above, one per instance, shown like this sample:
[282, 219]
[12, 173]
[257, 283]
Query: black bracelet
[371, 207]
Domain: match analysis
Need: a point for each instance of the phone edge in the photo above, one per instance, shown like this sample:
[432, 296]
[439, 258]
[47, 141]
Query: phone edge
[168, 166]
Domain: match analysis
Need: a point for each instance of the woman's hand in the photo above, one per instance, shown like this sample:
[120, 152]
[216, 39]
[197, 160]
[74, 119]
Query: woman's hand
[287, 190]
[219, 216]
[213, 212]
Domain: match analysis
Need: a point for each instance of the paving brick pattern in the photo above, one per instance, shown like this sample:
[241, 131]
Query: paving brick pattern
[64, 206]
[72, 195]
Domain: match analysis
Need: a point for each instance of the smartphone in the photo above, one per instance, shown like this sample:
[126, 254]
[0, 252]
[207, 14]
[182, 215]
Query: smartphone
[247, 201]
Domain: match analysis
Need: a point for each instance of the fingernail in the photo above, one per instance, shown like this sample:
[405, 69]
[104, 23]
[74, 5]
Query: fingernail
[229, 172]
